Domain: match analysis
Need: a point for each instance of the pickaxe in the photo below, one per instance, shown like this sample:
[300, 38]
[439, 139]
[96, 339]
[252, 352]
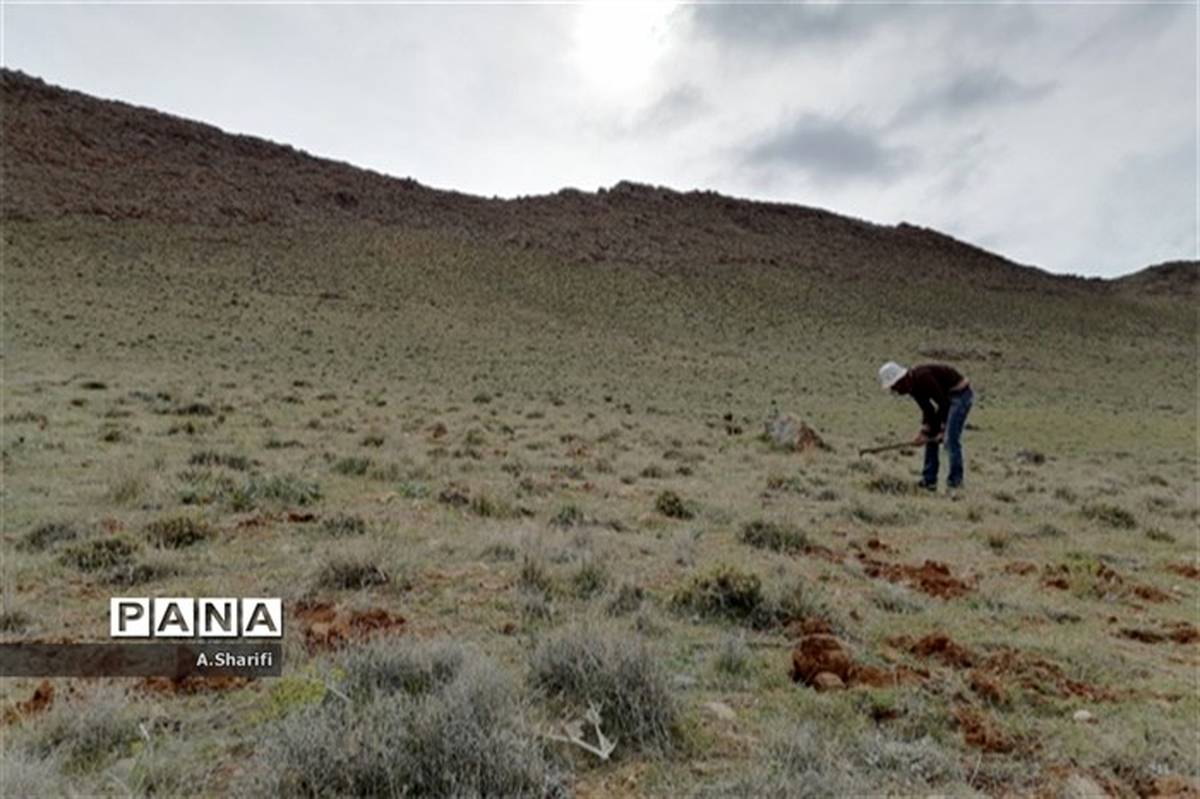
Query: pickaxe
[886, 447]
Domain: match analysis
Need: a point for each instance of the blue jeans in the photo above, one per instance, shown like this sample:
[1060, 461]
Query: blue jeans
[960, 406]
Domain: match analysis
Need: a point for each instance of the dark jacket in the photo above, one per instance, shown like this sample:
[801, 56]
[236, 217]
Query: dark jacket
[930, 385]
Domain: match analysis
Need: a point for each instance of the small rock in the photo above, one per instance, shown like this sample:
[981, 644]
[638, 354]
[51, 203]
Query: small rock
[1078, 786]
[721, 711]
[1083, 717]
[828, 681]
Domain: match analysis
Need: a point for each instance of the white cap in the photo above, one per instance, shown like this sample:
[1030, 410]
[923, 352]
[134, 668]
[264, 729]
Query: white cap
[889, 373]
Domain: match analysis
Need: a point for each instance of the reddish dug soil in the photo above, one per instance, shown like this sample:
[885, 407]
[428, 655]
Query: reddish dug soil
[39, 702]
[1104, 582]
[1185, 570]
[994, 675]
[819, 655]
[931, 577]
[326, 627]
[191, 684]
[1180, 633]
[981, 732]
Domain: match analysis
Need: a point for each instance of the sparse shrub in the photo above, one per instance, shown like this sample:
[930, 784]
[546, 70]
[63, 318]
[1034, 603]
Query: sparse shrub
[1160, 535]
[462, 733]
[351, 574]
[383, 667]
[895, 598]
[352, 466]
[23, 774]
[653, 472]
[83, 735]
[98, 554]
[793, 485]
[274, 442]
[93, 385]
[997, 542]
[534, 578]
[725, 592]
[775, 536]
[500, 552]
[13, 620]
[177, 532]
[482, 398]
[137, 573]
[489, 508]
[48, 535]
[128, 490]
[1048, 530]
[372, 440]
[891, 485]
[281, 489]
[410, 489]
[827, 495]
[586, 665]
[590, 579]
[628, 599]
[195, 409]
[733, 658]
[111, 434]
[568, 516]
[238, 463]
[1110, 515]
[1065, 494]
[670, 505]
[1005, 497]
[870, 515]
[343, 525]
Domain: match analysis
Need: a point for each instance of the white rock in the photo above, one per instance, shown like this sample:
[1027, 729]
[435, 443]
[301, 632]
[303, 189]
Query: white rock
[1083, 716]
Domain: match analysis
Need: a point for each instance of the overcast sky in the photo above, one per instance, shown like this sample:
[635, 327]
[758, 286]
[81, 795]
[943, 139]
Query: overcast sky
[1058, 135]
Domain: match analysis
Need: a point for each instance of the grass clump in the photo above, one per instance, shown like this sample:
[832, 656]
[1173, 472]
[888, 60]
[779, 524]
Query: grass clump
[99, 554]
[1110, 515]
[178, 532]
[724, 593]
[421, 721]
[628, 599]
[891, 485]
[590, 580]
[351, 574]
[733, 658]
[277, 489]
[774, 536]
[352, 466]
[84, 735]
[238, 463]
[343, 525]
[669, 504]
[568, 516]
[587, 665]
[48, 535]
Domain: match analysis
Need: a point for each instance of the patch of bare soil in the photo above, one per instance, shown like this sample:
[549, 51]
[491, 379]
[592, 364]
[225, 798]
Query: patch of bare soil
[1178, 632]
[820, 661]
[1020, 567]
[994, 675]
[39, 702]
[326, 627]
[981, 732]
[1189, 570]
[191, 684]
[931, 577]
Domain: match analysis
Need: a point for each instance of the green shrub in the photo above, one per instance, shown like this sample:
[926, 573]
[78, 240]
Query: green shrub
[178, 531]
[238, 463]
[352, 466]
[343, 525]
[350, 574]
[590, 579]
[45, 536]
[98, 554]
[670, 505]
[1110, 515]
[774, 536]
[725, 592]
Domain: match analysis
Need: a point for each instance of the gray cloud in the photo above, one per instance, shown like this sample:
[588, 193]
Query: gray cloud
[828, 149]
[673, 109]
[973, 90]
[788, 24]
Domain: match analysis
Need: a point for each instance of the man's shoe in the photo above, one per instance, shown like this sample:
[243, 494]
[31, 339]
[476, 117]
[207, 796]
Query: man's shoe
[931, 487]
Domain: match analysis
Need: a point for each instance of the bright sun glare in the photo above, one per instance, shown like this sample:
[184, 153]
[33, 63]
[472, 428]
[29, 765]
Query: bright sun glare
[617, 43]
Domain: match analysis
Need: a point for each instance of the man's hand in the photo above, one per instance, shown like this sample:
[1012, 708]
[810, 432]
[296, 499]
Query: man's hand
[923, 438]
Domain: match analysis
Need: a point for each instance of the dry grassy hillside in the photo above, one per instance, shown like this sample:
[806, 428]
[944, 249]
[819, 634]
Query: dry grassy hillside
[504, 462]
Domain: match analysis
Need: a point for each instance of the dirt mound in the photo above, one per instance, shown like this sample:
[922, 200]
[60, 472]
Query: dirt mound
[1179, 632]
[820, 654]
[1020, 567]
[326, 627]
[788, 434]
[981, 732]
[39, 702]
[1189, 570]
[931, 577]
[943, 648]
[191, 684]
[1101, 582]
